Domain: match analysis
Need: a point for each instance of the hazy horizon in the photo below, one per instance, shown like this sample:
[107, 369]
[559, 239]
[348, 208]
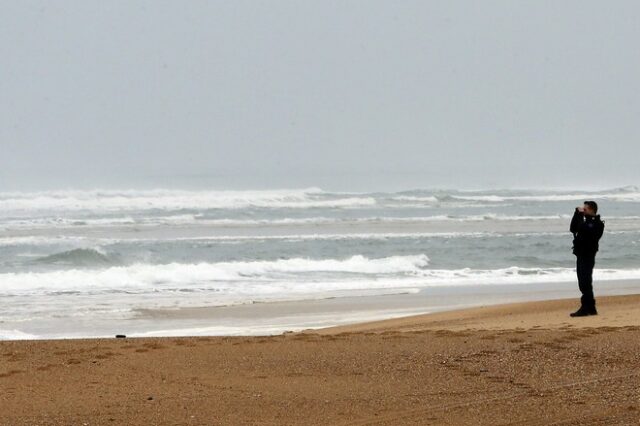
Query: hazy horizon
[351, 96]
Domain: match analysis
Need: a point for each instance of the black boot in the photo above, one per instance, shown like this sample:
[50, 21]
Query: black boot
[582, 312]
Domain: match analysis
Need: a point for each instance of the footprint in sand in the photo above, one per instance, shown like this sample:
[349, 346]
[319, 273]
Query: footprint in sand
[11, 373]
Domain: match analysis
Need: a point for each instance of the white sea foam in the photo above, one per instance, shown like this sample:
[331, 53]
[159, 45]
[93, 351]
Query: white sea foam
[390, 219]
[47, 241]
[279, 277]
[16, 335]
[620, 197]
[424, 199]
[349, 236]
[71, 222]
[165, 199]
[168, 199]
[115, 293]
[39, 240]
[190, 219]
[221, 275]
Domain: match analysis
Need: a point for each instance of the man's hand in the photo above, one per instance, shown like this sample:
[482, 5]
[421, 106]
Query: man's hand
[580, 209]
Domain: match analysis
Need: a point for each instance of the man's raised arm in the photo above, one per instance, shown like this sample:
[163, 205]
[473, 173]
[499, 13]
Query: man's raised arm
[576, 221]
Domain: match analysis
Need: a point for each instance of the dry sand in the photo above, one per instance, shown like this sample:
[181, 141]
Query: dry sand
[525, 364]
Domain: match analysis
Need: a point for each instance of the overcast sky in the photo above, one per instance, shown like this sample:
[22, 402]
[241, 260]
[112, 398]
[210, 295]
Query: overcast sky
[337, 94]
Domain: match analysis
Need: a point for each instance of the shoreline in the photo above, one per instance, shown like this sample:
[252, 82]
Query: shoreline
[273, 318]
[614, 311]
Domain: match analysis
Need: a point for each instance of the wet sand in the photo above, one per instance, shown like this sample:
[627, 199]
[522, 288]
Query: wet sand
[295, 315]
[524, 363]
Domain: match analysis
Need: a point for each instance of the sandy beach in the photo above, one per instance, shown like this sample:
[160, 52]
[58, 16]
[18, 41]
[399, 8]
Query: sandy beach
[520, 363]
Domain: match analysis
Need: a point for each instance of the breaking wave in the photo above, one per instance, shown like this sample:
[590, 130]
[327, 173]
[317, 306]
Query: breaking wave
[191, 219]
[280, 278]
[78, 257]
[165, 199]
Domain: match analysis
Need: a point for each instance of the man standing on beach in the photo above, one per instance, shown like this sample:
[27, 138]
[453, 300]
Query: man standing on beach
[587, 228]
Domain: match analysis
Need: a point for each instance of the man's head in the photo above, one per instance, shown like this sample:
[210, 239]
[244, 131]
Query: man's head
[590, 208]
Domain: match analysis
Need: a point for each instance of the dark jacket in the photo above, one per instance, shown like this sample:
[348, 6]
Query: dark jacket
[586, 231]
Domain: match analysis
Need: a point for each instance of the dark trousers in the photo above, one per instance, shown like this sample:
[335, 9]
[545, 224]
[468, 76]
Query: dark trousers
[584, 270]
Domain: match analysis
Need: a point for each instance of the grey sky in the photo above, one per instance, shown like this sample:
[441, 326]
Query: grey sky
[336, 94]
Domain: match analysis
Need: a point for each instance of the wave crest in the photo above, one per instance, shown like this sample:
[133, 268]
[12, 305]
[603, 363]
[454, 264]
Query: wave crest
[78, 257]
[165, 199]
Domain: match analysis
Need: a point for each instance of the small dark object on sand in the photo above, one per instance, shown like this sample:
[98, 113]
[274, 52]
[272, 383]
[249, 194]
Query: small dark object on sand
[120, 336]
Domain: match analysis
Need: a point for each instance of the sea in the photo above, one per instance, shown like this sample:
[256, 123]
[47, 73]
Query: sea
[72, 257]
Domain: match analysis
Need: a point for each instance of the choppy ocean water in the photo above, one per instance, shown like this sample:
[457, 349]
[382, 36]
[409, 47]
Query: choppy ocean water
[101, 254]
